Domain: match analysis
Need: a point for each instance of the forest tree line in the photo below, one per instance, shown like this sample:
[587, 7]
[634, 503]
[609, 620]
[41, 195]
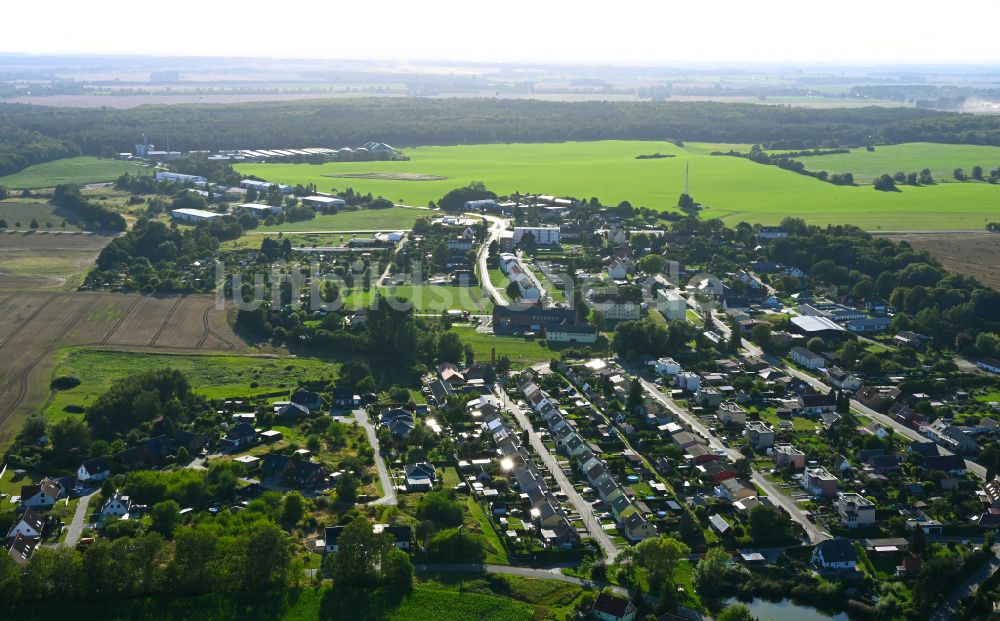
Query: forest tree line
[30, 134]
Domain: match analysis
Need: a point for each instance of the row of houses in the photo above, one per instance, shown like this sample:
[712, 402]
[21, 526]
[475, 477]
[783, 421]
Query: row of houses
[629, 518]
[541, 504]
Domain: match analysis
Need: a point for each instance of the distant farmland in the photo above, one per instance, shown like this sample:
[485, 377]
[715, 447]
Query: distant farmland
[81, 170]
[732, 189]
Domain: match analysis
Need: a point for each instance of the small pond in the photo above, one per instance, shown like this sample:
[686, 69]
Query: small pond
[786, 610]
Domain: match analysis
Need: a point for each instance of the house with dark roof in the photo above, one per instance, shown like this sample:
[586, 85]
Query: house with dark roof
[398, 421]
[637, 527]
[118, 505]
[817, 403]
[307, 399]
[239, 437]
[344, 397]
[193, 442]
[41, 495]
[952, 464]
[29, 524]
[835, 554]
[293, 472]
[420, 477]
[94, 470]
[21, 548]
[156, 450]
[609, 607]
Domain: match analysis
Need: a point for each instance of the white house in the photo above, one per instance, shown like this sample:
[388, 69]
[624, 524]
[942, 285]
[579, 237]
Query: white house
[118, 505]
[28, 525]
[608, 607]
[42, 495]
[94, 470]
[666, 366]
[855, 510]
[835, 554]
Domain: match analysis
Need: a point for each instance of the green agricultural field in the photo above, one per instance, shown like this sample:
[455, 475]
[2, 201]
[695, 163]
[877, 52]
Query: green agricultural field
[71, 170]
[215, 376]
[733, 189]
[942, 159]
[390, 219]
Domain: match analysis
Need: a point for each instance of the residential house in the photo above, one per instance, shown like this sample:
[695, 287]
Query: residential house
[610, 607]
[951, 437]
[855, 510]
[293, 472]
[118, 505]
[759, 434]
[817, 403]
[94, 470]
[344, 398]
[819, 482]
[836, 554]
[41, 495]
[732, 414]
[307, 399]
[733, 490]
[29, 525]
[420, 477]
[906, 338]
[398, 421]
[787, 455]
[21, 548]
[845, 380]
[718, 471]
[239, 437]
[637, 527]
[708, 396]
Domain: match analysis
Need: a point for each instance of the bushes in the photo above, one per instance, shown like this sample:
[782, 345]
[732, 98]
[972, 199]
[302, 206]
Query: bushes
[64, 382]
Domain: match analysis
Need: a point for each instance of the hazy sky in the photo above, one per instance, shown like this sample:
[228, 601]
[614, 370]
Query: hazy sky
[521, 30]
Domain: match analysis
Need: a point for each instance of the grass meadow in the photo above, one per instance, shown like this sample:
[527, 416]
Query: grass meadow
[80, 170]
[521, 351]
[733, 189]
[215, 376]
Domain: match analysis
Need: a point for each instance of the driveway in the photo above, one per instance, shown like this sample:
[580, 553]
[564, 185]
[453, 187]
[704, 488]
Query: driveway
[388, 487]
[75, 528]
[583, 508]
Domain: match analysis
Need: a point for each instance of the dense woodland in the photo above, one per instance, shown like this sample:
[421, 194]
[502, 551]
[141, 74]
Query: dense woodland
[31, 134]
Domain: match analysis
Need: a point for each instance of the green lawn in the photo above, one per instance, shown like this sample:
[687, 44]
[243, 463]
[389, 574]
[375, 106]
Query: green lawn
[420, 604]
[390, 219]
[521, 351]
[80, 170]
[733, 189]
[438, 298]
[215, 376]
